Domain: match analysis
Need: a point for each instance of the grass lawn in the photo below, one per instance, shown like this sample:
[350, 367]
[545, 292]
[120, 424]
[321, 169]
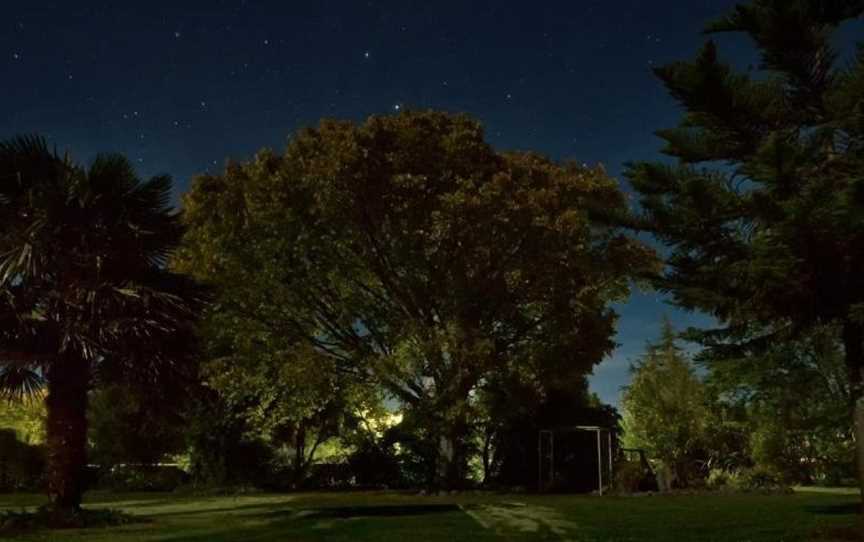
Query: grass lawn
[384, 516]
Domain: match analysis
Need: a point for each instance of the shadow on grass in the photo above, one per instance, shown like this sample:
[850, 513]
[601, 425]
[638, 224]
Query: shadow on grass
[347, 512]
[240, 508]
[322, 524]
[838, 534]
[352, 512]
[838, 509]
[47, 518]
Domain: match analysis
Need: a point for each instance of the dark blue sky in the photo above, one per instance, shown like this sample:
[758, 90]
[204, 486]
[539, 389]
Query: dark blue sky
[180, 89]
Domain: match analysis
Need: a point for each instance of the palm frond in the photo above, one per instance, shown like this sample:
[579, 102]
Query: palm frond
[83, 257]
[155, 194]
[17, 383]
[24, 146]
[111, 175]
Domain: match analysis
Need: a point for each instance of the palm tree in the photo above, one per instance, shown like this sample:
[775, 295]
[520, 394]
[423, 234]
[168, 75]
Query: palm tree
[85, 295]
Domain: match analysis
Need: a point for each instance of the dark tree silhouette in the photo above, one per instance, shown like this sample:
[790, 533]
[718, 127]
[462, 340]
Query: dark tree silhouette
[764, 211]
[84, 293]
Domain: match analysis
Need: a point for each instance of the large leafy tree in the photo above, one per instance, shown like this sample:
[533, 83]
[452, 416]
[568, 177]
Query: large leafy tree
[84, 294]
[414, 255]
[764, 209]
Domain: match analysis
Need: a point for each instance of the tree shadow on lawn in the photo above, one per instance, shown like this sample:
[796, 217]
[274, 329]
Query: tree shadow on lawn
[240, 509]
[323, 523]
[347, 512]
[838, 533]
[836, 509]
[45, 518]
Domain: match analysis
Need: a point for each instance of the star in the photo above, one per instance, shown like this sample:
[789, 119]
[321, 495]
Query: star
[397, 107]
[16, 56]
[366, 54]
[509, 96]
[266, 42]
[177, 34]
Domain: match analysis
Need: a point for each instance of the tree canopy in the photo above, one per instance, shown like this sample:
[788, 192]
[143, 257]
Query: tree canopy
[764, 209]
[666, 410]
[412, 254]
[798, 441]
[84, 294]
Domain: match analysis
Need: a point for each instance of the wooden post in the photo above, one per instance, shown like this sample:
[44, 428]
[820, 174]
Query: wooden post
[540, 461]
[611, 463]
[599, 464]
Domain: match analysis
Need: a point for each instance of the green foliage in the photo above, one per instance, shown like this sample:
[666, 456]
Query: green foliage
[375, 464]
[26, 417]
[764, 210]
[142, 478]
[515, 411]
[84, 294]
[128, 425]
[628, 477]
[409, 253]
[666, 410]
[294, 400]
[21, 464]
[803, 441]
[223, 451]
[751, 479]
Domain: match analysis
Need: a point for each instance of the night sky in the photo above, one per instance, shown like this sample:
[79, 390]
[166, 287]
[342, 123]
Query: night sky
[181, 89]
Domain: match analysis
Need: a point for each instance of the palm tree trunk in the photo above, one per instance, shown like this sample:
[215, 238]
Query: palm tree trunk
[853, 344]
[66, 428]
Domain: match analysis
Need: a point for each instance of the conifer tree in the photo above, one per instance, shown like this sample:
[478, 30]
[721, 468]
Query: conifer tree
[764, 209]
[665, 410]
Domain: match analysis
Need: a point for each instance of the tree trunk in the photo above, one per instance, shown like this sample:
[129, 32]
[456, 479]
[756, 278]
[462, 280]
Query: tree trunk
[853, 344]
[859, 439]
[299, 455]
[66, 428]
[452, 455]
[487, 456]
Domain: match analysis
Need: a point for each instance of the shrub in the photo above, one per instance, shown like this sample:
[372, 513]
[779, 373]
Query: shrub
[632, 477]
[762, 478]
[750, 479]
[21, 465]
[628, 476]
[329, 476]
[142, 478]
[375, 465]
